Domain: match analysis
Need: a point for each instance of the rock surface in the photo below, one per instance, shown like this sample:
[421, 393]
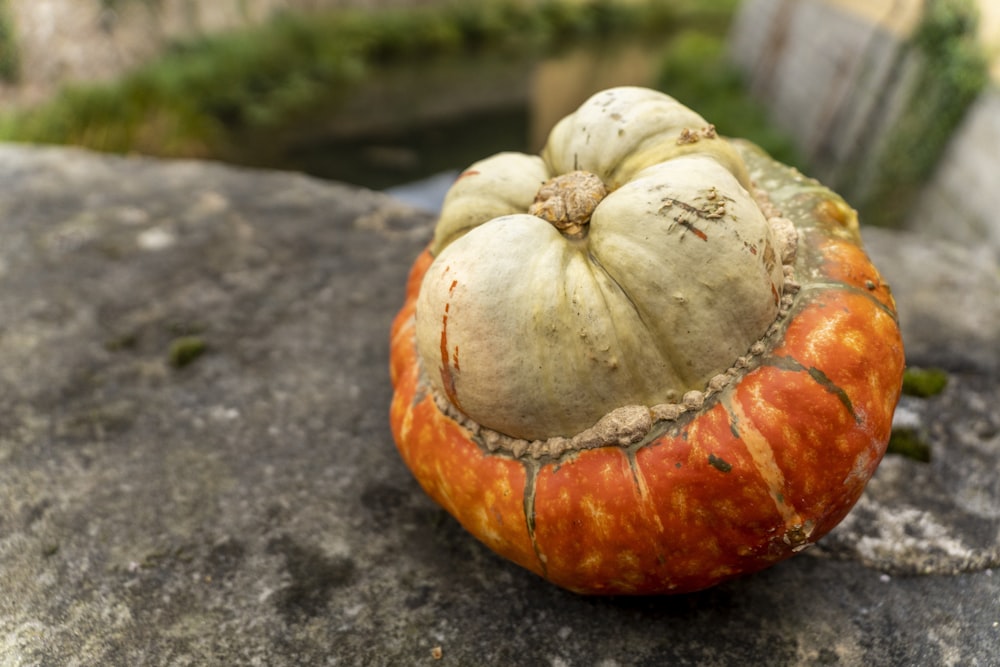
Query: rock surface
[948, 294]
[196, 466]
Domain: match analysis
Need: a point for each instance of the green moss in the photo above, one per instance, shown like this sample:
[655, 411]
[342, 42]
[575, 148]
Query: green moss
[205, 96]
[185, 350]
[695, 70]
[907, 442]
[924, 382]
[954, 70]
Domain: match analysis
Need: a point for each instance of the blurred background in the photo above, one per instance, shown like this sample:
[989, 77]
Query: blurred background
[894, 103]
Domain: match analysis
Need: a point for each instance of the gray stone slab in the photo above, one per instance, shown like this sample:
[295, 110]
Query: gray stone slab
[948, 297]
[248, 507]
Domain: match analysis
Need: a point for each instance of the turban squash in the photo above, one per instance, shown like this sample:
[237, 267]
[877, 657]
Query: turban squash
[646, 361]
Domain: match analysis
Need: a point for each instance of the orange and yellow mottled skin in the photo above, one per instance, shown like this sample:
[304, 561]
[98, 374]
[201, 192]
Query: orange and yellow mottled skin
[766, 467]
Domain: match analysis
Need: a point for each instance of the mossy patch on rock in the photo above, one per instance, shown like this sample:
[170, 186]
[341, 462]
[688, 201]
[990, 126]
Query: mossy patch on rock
[908, 442]
[185, 350]
[924, 382]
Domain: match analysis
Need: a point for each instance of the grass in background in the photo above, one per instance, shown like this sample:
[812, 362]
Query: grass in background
[10, 62]
[696, 70]
[204, 96]
[955, 70]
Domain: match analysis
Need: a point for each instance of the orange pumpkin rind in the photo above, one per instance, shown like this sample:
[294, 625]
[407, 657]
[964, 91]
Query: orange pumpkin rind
[764, 467]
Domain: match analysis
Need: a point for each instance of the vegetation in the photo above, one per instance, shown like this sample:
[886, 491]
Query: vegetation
[118, 4]
[696, 71]
[184, 350]
[205, 96]
[10, 63]
[213, 96]
[954, 70]
[924, 382]
[908, 442]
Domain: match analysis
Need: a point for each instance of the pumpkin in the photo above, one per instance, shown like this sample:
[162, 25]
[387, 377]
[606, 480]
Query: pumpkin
[646, 361]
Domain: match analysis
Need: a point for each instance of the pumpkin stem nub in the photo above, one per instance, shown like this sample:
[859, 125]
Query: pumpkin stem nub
[568, 200]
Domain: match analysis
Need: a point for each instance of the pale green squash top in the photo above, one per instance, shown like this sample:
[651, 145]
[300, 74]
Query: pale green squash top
[536, 332]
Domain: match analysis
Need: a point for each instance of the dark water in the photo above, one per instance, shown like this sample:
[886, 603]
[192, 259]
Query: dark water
[392, 156]
[409, 130]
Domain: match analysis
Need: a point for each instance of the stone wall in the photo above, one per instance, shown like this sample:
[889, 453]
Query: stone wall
[957, 204]
[830, 75]
[835, 74]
